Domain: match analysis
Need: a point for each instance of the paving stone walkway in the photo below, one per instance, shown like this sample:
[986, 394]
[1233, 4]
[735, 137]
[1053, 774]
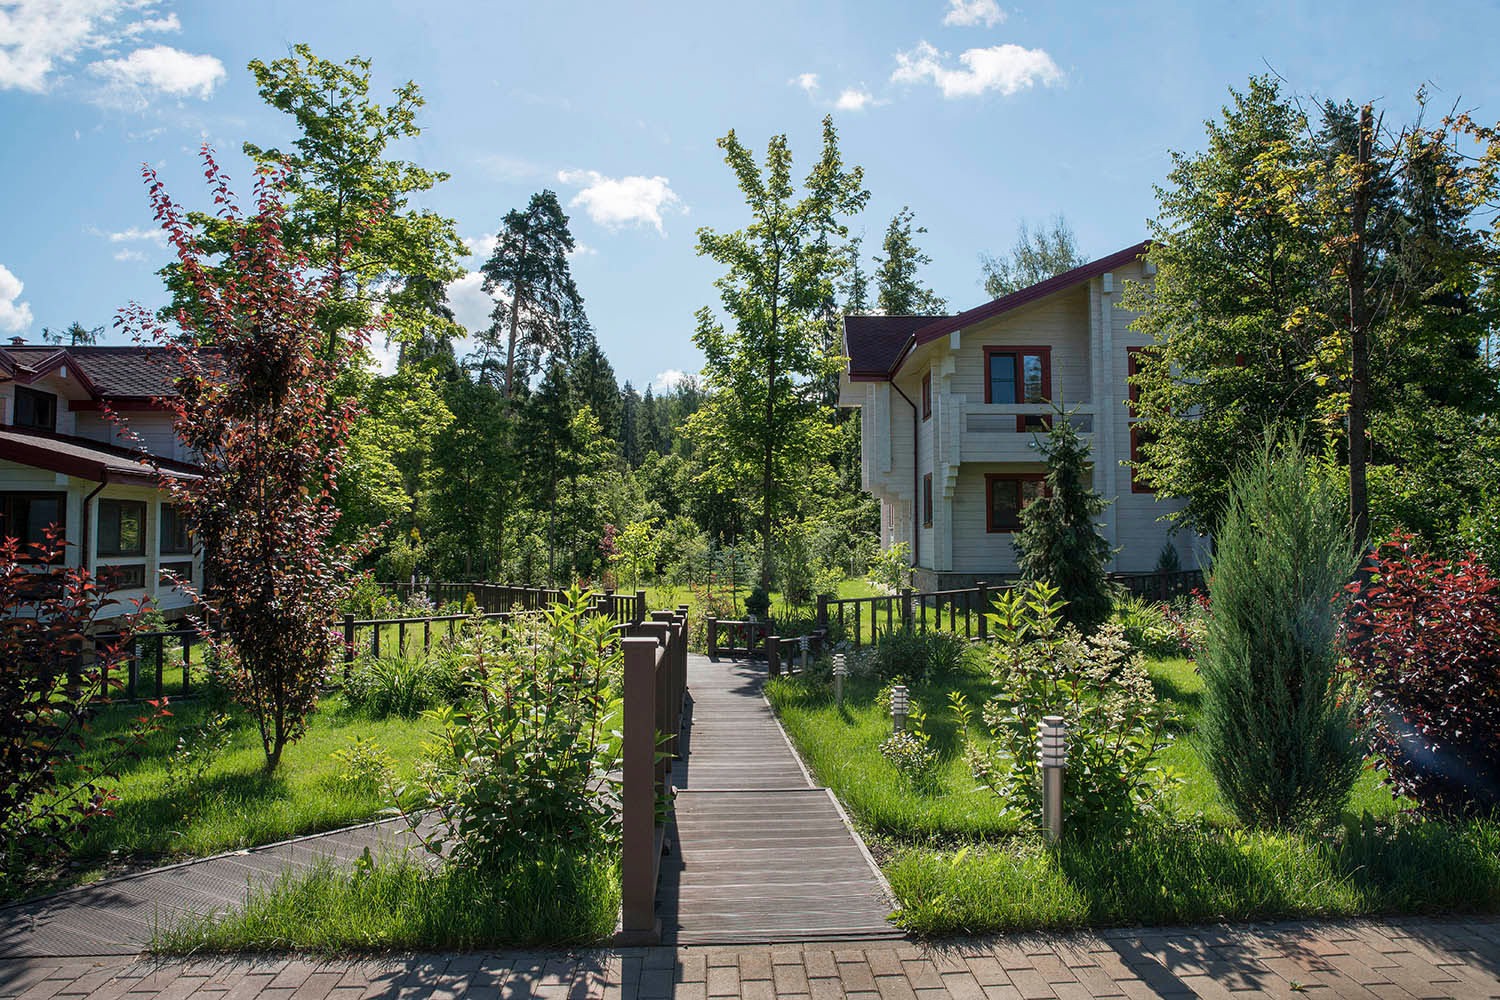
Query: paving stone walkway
[1393, 960]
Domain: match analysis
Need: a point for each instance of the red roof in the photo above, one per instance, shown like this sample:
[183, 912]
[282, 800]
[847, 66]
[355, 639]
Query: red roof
[92, 460]
[868, 344]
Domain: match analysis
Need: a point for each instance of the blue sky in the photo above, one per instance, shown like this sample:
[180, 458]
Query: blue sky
[975, 113]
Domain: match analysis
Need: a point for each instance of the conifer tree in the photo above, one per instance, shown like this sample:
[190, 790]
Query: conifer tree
[1059, 541]
[630, 439]
[901, 290]
[595, 386]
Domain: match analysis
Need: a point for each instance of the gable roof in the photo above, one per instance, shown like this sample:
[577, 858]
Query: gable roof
[110, 373]
[92, 460]
[871, 344]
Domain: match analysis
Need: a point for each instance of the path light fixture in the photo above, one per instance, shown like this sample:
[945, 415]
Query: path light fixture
[840, 671]
[900, 705]
[1053, 751]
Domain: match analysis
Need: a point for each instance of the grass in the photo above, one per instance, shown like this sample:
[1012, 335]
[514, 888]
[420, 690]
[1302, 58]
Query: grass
[240, 806]
[958, 864]
[394, 903]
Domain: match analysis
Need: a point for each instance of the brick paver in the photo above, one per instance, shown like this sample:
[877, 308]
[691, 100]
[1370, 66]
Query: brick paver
[1407, 959]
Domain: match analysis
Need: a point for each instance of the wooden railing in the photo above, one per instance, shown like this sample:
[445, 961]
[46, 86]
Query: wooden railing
[1160, 586]
[655, 692]
[495, 597]
[141, 646]
[961, 612]
[736, 637]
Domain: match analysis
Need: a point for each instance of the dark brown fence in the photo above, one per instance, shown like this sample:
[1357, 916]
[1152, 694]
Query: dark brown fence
[1161, 586]
[654, 694]
[491, 598]
[150, 649]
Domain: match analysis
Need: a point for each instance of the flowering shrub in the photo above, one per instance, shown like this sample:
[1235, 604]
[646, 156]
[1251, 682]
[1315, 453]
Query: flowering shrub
[910, 751]
[1424, 641]
[364, 764]
[1116, 728]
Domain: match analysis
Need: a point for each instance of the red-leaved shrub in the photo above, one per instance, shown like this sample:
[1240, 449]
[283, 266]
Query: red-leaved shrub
[1424, 640]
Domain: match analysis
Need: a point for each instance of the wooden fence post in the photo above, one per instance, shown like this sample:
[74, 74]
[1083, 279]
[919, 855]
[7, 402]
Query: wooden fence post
[348, 644]
[984, 609]
[773, 655]
[822, 611]
[638, 922]
[906, 616]
[711, 625]
[640, 607]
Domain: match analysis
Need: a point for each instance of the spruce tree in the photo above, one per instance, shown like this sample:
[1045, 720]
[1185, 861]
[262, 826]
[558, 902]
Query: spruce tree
[630, 437]
[901, 290]
[1059, 541]
[1278, 730]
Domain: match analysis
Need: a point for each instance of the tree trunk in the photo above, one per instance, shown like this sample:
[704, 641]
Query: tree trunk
[1359, 342]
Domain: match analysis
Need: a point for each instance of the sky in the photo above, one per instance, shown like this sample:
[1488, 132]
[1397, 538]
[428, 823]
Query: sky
[974, 113]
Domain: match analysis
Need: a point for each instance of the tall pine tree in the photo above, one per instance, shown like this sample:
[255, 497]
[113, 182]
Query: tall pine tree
[901, 292]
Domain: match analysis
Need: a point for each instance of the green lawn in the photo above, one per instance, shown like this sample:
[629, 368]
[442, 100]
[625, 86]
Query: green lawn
[958, 865]
[239, 805]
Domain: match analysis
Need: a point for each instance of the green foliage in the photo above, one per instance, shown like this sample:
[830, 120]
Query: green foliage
[638, 546]
[365, 764]
[406, 686]
[921, 656]
[1279, 727]
[1059, 541]
[1148, 626]
[525, 769]
[1038, 254]
[758, 603]
[900, 290]
[198, 749]
[1117, 730]
[911, 753]
[891, 568]
[757, 428]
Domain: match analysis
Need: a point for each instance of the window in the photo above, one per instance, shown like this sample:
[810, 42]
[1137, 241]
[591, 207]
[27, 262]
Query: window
[1007, 495]
[182, 570]
[1017, 374]
[35, 409]
[174, 532]
[927, 395]
[122, 528]
[27, 516]
[123, 577]
[1033, 423]
[927, 500]
[1139, 439]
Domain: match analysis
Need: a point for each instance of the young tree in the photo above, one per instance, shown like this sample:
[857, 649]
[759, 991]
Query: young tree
[1279, 729]
[1059, 542]
[756, 425]
[856, 286]
[529, 268]
[76, 335]
[258, 414]
[1039, 254]
[901, 292]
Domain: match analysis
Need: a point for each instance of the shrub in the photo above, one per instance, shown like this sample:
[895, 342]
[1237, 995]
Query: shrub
[526, 768]
[364, 764]
[922, 656]
[1425, 643]
[1278, 730]
[758, 603]
[1059, 541]
[1148, 627]
[910, 751]
[1116, 728]
[890, 570]
[197, 750]
[45, 610]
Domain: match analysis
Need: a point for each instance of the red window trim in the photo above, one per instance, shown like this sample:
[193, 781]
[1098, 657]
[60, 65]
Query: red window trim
[1132, 368]
[927, 500]
[1137, 484]
[1045, 353]
[927, 395]
[990, 478]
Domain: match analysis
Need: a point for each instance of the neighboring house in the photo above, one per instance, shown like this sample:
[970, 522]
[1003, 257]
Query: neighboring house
[62, 462]
[950, 408]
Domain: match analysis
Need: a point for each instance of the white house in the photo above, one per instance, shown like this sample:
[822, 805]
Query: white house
[63, 463]
[950, 408]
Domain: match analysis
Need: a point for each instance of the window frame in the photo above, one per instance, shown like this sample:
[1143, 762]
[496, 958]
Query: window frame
[927, 500]
[24, 392]
[927, 395]
[1020, 352]
[1045, 418]
[99, 549]
[8, 496]
[1132, 402]
[1137, 484]
[990, 479]
[163, 537]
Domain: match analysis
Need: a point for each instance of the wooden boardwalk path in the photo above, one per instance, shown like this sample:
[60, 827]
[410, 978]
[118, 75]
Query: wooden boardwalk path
[759, 853]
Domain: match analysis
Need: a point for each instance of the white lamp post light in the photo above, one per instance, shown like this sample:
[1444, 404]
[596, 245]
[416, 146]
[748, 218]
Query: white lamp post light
[840, 671]
[1053, 752]
[900, 704]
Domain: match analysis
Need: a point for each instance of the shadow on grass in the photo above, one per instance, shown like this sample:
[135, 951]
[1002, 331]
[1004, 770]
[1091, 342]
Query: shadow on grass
[150, 825]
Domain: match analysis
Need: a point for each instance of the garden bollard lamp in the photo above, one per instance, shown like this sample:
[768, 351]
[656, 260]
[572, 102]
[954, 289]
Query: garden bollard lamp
[840, 671]
[900, 703]
[1054, 756]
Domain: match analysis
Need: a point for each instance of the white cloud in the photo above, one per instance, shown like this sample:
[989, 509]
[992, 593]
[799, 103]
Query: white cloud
[128, 254]
[971, 12]
[15, 315]
[583, 250]
[669, 379]
[480, 246]
[36, 36]
[1006, 68]
[160, 68]
[133, 235]
[807, 81]
[470, 303]
[510, 168]
[623, 201]
[854, 99]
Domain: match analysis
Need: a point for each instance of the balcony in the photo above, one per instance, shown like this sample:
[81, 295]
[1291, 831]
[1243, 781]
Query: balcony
[1007, 432]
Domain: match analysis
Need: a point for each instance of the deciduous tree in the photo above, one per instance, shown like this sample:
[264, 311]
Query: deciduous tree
[901, 292]
[1039, 254]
